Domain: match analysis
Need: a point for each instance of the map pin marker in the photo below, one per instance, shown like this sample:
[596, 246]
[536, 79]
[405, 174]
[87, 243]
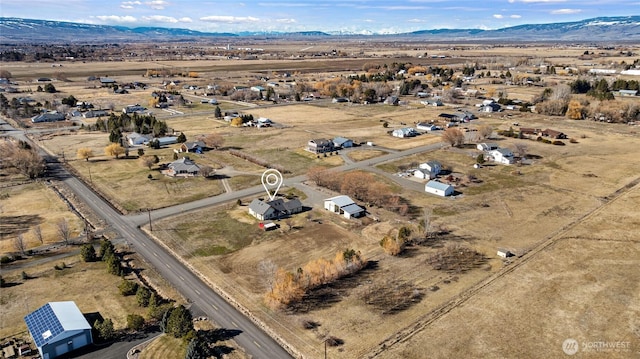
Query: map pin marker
[272, 181]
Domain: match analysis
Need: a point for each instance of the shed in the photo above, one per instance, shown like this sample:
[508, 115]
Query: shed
[341, 142]
[58, 328]
[343, 205]
[504, 253]
[438, 188]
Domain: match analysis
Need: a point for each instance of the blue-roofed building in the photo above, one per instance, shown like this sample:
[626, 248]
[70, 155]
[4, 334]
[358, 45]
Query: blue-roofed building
[439, 188]
[58, 328]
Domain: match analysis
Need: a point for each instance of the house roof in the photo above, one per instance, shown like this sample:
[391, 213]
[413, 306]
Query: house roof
[447, 115]
[54, 318]
[184, 164]
[321, 142]
[504, 151]
[352, 209]
[259, 207]
[438, 185]
[339, 141]
[194, 144]
[341, 201]
[292, 204]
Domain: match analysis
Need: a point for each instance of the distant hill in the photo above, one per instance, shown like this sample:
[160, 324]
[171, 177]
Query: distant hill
[599, 29]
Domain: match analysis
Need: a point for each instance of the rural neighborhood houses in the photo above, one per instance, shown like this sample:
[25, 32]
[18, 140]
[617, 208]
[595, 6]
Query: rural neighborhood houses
[438, 188]
[344, 206]
[136, 139]
[53, 116]
[58, 328]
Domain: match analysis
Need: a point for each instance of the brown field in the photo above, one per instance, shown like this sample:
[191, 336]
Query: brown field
[579, 285]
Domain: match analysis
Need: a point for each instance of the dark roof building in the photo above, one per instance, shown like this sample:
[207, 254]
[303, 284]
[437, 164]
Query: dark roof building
[58, 328]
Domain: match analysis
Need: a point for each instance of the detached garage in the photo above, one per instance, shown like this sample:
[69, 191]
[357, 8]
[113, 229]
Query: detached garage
[58, 328]
[438, 188]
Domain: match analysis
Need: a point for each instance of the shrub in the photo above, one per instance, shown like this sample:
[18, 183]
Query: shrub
[135, 322]
[127, 287]
[558, 143]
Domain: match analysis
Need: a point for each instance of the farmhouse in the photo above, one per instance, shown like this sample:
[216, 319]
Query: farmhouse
[553, 134]
[436, 102]
[133, 109]
[195, 147]
[48, 117]
[94, 113]
[274, 209]
[344, 206]
[341, 142]
[183, 167]
[431, 166]
[320, 146]
[404, 132]
[58, 328]
[628, 92]
[105, 81]
[502, 155]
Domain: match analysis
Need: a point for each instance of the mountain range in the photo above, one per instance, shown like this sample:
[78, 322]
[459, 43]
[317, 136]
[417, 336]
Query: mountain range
[600, 29]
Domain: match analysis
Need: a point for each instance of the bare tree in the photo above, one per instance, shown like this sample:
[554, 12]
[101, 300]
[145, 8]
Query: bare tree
[426, 223]
[147, 161]
[521, 149]
[453, 136]
[19, 244]
[37, 233]
[214, 140]
[485, 131]
[289, 223]
[206, 171]
[267, 270]
[63, 230]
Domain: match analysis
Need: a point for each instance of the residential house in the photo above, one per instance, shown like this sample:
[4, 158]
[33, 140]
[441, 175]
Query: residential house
[53, 116]
[341, 142]
[133, 108]
[427, 127]
[487, 146]
[553, 134]
[183, 167]
[502, 155]
[436, 102]
[438, 188]
[94, 113]
[628, 92]
[43, 79]
[340, 100]
[463, 116]
[424, 174]
[404, 132]
[344, 206]
[320, 146]
[431, 166]
[257, 88]
[422, 94]
[491, 107]
[136, 139]
[265, 210]
[529, 131]
[105, 82]
[195, 147]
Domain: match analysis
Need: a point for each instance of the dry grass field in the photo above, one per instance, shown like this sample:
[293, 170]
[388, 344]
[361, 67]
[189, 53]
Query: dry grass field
[88, 284]
[582, 285]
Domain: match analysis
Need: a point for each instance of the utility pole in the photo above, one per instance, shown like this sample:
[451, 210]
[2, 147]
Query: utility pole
[149, 212]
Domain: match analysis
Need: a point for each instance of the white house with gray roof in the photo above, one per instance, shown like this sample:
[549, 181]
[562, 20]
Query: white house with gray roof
[183, 167]
[265, 210]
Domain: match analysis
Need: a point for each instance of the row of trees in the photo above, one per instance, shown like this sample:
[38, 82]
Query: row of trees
[287, 287]
[143, 124]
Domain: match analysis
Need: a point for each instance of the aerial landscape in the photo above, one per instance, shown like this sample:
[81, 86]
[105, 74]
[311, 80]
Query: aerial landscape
[354, 179]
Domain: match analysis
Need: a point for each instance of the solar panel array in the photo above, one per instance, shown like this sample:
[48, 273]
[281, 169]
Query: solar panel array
[40, 321]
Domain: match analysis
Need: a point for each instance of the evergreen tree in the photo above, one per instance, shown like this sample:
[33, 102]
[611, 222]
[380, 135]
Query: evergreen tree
[218, 112]
[179, 322]
[88, 253]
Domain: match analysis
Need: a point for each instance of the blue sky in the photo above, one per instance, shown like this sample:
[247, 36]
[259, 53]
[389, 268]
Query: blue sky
[360, 16]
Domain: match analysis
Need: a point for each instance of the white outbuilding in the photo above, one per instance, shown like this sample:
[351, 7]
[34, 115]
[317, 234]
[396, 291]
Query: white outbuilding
[438, 188]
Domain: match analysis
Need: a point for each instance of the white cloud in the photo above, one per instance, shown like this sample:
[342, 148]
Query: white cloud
[185, 19]
[286, 21]
[565, 11]
[129, 4]
[230, 19]
[157, 4]
[116, 18]
[536, 1]
[498, 16]
[160, 18]
[368, 20]
[515, 16]
[416, 20]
